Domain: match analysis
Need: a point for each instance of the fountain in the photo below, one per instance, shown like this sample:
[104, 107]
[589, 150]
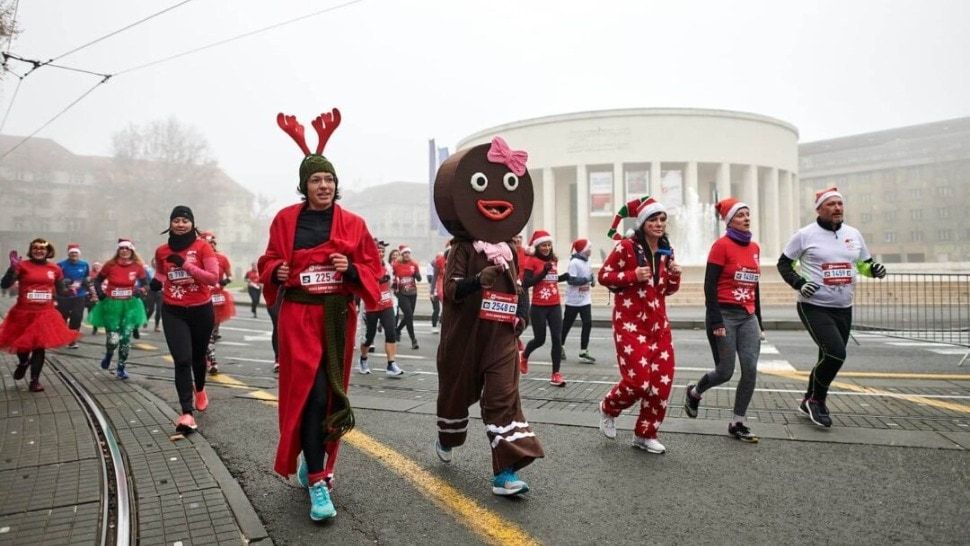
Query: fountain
[693, 227]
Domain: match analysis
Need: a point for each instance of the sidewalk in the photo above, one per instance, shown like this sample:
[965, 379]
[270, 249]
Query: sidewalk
[52, 478]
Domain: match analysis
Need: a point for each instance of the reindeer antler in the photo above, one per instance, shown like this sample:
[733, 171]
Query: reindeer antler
[325, 124]
[293, 128]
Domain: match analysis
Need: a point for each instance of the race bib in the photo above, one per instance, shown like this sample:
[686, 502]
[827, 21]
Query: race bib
[584, 288]
[179, 276]
[39, 296]
[321, 279]
[745, 276]
[498, 307]
[385, 297]
[218, 299]
[407, 285]
[551, 276]
[837, 273]
[121, 293]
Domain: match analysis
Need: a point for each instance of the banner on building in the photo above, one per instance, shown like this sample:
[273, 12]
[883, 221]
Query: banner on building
[637, 184]
[672, 188]
[601, 193]
[436, 156]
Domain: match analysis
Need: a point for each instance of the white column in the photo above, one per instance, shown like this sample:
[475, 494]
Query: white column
[771, 216]
[548, 203]
[619, 185]
[796, 202]
[787, 225]
[582, 202]
[690, 181]
[749, 194]
[723, 180]
[655, 189]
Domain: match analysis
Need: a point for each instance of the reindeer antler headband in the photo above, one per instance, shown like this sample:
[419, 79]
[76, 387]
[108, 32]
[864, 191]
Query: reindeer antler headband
[324, 124]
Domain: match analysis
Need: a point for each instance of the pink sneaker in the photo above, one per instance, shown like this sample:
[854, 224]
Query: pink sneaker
[185, 424]
[201, 400]
[557, 381]
[523, 364]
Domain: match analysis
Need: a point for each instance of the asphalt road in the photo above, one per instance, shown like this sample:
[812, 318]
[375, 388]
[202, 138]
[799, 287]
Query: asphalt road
[708, 488]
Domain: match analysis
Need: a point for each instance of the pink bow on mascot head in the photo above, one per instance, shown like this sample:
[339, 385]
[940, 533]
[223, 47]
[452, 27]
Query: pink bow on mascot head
[513, 159]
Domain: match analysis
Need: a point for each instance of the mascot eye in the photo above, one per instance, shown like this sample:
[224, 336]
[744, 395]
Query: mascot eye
[479, 182]
[511, 181]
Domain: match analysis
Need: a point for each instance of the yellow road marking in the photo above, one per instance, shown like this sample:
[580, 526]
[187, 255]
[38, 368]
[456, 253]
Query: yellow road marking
[915, 398]
[145, 346]
[492, 527]
[900, 375]
[168, 358]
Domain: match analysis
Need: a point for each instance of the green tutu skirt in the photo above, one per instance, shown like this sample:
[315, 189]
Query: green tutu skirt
[112, 314]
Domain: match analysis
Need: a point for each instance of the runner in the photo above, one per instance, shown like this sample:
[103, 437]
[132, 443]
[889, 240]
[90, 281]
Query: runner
[186, 268]
[78, 274]
[484, 196]
[319, 257]
[92, 298]
[153, 300]
[118, 310]
[393, 258]
[733, 319]
[32, 325]
[541, 274]
[223, 306]
[381, 313]
[407, 275]
[579, 301]
[641, 272]
[829, 255]
[254, 287]
[435, 268]
[521, 254]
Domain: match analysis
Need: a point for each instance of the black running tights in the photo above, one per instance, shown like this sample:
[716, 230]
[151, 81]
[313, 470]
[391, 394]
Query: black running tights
[829, 328]
[542, 315]
[187, 331]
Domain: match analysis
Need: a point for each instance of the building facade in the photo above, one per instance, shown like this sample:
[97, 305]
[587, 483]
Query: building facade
[906, 189]
[586, 165]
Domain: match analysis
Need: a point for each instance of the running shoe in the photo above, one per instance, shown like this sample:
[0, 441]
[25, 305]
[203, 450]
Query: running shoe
[302, 471]
[607, 424]
[523, 363]
[393, 370]
[443, 453]
[743, 433]
[213, 366]
[120, 372]
[556, 380]
[563, 353]
[372, 349]
[414, 345]
[216, 336]
[434, 330]
[106, 361]
[21, 370]
[362, 367]
[73, 345]
[690, 402]
[321, 507]
[586, 357]
[507, 484]
[817, 412]
[650, 445]
[276, 367]
[35, 386]
[201, 400]
[185, 424]
[135, 334]
[157, 329]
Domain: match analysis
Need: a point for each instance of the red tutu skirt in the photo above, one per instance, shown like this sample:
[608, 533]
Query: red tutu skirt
[223, 305]
[24, 330]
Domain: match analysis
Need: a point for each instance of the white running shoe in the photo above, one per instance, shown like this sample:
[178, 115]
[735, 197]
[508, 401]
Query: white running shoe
[393, 370]
[607, 425]
[362, 367]
[443, 453]
[651, 445]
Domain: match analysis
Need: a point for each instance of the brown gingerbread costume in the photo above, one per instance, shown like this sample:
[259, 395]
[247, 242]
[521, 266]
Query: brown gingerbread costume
[484, 197]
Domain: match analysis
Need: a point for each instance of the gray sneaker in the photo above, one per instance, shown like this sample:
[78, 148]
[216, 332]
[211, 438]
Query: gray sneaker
[586, 357]
[362, 367]
[393, 370]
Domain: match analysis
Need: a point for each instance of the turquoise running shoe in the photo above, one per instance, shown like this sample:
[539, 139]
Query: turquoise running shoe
[508, 484]
[302, 472]
[321, 507]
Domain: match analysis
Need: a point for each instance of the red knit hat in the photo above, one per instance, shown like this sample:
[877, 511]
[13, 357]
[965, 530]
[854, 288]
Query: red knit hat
[580, 245]
[641, 209]
[538, 237]
[728, 207]
[73, 247]
[825, 195]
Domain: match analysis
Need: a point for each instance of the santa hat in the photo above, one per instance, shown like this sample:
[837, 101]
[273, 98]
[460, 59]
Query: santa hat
[73, 247]
[825, 195]
[580, 246]
[208, 236]
[126, 243]
[404, 248]
[641, 209]
[539, 237]
[727, 208]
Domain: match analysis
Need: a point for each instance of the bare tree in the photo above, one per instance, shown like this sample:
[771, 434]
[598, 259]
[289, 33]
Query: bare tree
[8, 28]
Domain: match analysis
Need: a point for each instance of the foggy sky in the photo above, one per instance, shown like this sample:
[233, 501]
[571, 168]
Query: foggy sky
[405, 71]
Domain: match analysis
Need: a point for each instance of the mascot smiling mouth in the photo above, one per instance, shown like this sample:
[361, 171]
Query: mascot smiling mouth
[495, 210]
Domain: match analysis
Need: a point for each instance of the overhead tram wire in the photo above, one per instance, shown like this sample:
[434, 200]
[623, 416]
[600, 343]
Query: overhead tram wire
[13, 98]
[237, 37]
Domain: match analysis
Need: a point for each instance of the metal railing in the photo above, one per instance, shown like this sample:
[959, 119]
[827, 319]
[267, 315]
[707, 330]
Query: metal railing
[920, 306]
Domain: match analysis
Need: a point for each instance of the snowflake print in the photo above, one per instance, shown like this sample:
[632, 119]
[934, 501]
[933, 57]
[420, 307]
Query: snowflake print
[545, 294]
[176, 291]
[742, 294]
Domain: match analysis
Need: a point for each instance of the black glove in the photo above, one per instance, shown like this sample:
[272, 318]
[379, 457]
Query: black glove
[546, 268]
[809, 289]
[223, 282]
[488, 275]
[878, 270]
[155, 285]
[175, 259]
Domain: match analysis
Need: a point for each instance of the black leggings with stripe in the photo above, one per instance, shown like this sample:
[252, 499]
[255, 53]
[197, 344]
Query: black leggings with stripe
[829, 328]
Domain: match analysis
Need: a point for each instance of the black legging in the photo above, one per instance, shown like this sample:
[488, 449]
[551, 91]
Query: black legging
[829, 328]
[542, 315]
[36, 360]
[386, 318]
[153, 304]
[435, 312]
[72, 309]
[254, 294]
[187, 331]
[274, 312]
[311, 427]
[407, 304]
[585, 316]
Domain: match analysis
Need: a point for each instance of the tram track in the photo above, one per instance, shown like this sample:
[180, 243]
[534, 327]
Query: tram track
[118, 514]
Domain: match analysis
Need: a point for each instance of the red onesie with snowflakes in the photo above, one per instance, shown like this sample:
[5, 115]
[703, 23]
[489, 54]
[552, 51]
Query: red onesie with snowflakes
[641, 331]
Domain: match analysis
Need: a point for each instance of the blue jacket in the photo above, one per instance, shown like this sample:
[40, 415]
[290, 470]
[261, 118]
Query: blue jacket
[76, 274]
